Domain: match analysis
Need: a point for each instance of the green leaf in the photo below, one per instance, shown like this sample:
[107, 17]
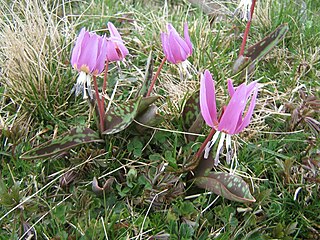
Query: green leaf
[119, 117]
[76, 136]
[192, 118]
[257, 51]
[149, 117]
[227, 185]
[241, 63]
[260, 49]
[191, 110]
[145, 103]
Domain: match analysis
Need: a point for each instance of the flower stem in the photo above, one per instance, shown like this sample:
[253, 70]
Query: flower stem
[154, 79]
[104, 86]
[204, 144]
[100, 104]
[246, 32]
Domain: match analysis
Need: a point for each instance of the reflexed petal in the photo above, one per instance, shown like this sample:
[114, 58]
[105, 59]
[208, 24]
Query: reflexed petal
[77, 47]
[100, 63]
[249, 114]
[113, 31]
[234, 109]
[230, 87]
[208, 100]
[250, 88]
[187, 38]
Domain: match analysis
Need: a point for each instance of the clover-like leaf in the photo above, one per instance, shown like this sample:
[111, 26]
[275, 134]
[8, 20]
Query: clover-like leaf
[76, 136]
[227, 185]
[119, 117]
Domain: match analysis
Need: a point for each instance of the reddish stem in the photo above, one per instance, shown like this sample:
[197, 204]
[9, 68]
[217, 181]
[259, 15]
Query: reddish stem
[104, 86]
[204, 144]
[246, 32]
[99, 103]
[154, 79]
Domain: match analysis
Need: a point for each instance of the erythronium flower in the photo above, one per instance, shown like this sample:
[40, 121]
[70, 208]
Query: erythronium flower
[233, 119]
[116, 50]
[88, 58]
[175, 48]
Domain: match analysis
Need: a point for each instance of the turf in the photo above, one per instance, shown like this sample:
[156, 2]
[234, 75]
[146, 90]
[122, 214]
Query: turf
[278, 153]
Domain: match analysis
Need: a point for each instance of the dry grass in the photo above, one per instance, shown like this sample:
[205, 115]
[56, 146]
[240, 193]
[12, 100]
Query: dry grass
[34, 36]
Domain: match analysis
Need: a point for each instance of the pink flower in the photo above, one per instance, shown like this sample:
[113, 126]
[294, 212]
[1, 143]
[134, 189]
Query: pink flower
[174, 47]
[233, 119]
[88, 57]
[89, 52]
[116, 50]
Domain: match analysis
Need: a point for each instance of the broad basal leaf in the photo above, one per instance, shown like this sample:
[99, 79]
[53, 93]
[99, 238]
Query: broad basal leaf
[149, 117]
[119, 117]
[256, 52]
[226, 185]
[260, 49]
[145, 103]
[191, 110]
[192, 118]
[76, 136]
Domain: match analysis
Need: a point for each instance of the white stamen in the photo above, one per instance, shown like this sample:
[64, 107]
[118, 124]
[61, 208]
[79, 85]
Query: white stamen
[210, 144]
[216, 159]
[88, 86]
[245, 7]
[79, 86]
[229, 149]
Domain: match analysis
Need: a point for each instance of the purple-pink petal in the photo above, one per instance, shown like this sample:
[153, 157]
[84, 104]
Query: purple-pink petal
[100, 63]
[229, 119]
[77, 47]
[113, 31]
[208, 100]
[175, 48]
[178, 53]
[230, 87]
[249, 113]
[187, 38]
[112, 54]
[250, 88]
[89, 52]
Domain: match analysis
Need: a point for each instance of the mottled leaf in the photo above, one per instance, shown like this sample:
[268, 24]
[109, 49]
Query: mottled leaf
[191, 116]
[257, 51]
[119, 117]
[149, 117]
[260, 49]
[191, 110]
[145, 103]
[227, 185]
[241, 63]
[76, 136]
